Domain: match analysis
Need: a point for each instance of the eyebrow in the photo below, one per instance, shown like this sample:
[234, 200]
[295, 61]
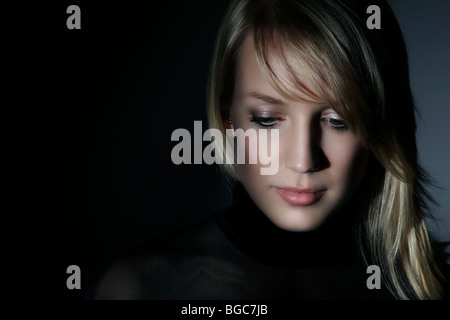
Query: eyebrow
[266, 98]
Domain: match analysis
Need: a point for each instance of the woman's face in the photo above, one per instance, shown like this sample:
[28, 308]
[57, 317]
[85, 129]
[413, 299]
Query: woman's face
[321, 161]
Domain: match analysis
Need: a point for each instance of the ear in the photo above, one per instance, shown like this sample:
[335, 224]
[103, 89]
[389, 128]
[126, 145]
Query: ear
[227, 122]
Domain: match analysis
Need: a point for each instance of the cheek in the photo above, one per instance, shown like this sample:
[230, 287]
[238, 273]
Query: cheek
[252, 180]
[250, 170]
[347, 158]
[248, 173]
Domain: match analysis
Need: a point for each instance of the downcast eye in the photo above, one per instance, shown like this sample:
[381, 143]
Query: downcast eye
[334, 123]
[265, 122]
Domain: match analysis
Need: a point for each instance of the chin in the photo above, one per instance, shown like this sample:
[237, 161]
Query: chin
[297, 221]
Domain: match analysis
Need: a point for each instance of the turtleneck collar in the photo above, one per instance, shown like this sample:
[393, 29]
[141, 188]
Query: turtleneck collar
[249, 229]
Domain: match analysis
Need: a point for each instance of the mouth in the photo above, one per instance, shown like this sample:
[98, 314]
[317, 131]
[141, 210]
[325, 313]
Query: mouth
[300, 196]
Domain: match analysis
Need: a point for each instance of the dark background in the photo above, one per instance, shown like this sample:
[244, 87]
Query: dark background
[89, 115]
[94, 110]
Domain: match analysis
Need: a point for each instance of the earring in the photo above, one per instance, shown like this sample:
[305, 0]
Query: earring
[230, 121]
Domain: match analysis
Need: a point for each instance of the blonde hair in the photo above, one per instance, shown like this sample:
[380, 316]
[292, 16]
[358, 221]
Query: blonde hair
[367, 72]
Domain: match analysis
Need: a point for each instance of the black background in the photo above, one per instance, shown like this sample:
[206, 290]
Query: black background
[93, 111]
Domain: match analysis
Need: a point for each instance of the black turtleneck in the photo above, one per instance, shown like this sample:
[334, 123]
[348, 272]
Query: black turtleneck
[240, 254]
[252, 232]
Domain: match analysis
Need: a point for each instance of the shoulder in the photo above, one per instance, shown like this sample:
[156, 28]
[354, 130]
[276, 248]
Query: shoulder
[163, 267]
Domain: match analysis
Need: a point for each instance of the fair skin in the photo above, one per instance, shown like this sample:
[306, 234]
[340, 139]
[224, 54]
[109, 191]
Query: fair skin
[321, 161]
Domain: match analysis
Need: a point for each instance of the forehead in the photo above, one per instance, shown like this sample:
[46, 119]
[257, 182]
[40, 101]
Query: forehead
[277, 69]
[249, 76]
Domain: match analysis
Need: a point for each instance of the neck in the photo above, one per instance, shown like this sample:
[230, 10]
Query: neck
[250, 229]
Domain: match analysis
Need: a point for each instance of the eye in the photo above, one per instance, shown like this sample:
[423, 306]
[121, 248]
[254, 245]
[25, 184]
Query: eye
[336, 124]
[265, 122]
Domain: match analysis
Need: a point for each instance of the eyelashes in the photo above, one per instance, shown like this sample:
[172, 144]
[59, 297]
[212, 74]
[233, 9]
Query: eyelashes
[336, 124]
[267, 122]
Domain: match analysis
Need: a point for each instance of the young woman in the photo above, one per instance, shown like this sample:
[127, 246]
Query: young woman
[348, 193]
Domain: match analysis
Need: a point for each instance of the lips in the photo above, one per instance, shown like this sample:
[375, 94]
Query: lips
[300, 196]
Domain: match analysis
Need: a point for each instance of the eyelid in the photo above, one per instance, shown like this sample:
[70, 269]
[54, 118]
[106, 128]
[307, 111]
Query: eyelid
[265, 121]
[332, 114]
[265, 112]
[340, 126]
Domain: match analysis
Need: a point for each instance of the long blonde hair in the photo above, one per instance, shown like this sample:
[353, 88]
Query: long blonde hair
[367, 72]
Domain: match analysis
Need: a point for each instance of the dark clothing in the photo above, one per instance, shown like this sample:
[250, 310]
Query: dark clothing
[240, 254]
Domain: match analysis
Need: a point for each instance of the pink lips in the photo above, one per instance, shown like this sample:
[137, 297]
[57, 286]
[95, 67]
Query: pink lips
[300, 197]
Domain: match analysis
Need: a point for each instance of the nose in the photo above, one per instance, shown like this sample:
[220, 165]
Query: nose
[303, 153]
